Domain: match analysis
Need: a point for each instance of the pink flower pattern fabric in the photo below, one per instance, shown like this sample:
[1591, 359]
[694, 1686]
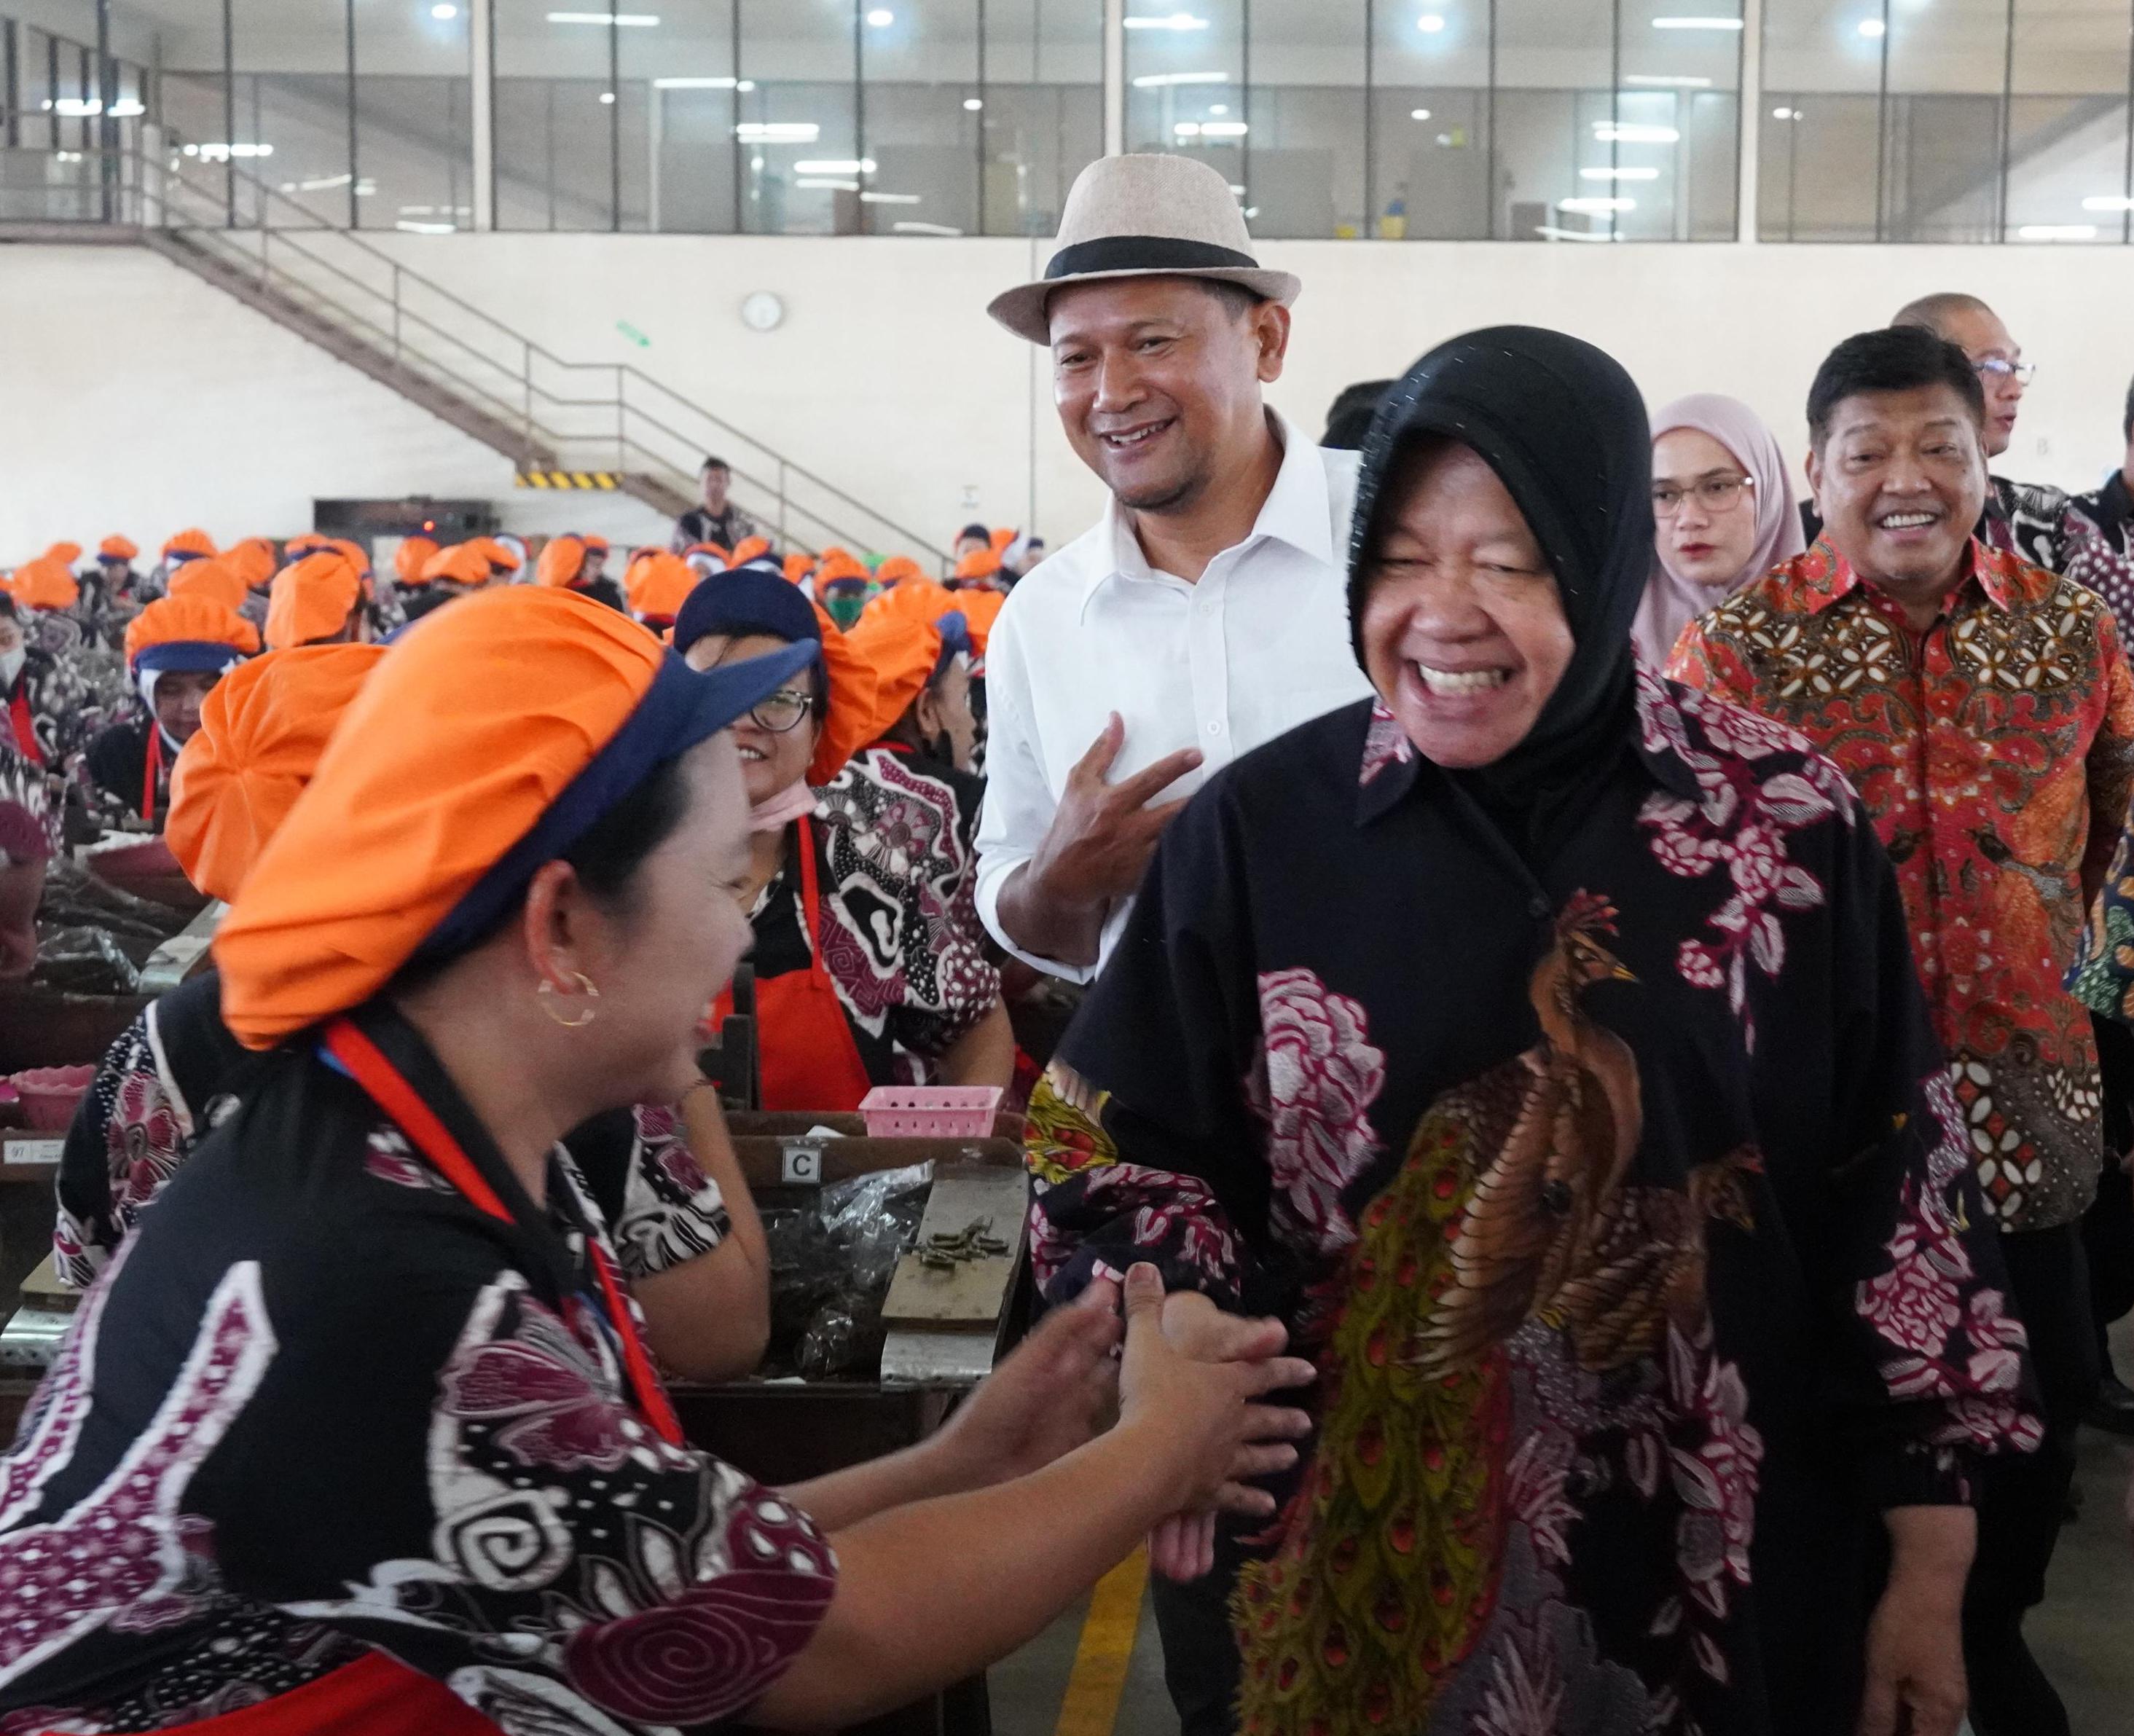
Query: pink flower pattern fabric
[1313, 1084]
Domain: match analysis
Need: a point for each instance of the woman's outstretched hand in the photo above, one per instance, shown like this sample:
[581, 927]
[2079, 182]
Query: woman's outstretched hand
[1058, 1389]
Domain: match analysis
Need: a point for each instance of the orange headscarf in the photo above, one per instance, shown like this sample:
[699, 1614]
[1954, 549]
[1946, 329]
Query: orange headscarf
[312, 598]
[657, 584]
[897, 569]
[411, 557]
[798, 566]
[902, 649]
[923, 601]
[463, 564]
[253, 561]
[1003, 540]
[463, 737]
[747, 549]
[840, 566]
[595, 543]
[212, 577]
[980, 609]
[499, 555]
[190, 542]
[65, 553]
[263, 728]
[118, 549]
[560, 561]
[182, 620]
[306, 543]
[980, 564]
[43, 583]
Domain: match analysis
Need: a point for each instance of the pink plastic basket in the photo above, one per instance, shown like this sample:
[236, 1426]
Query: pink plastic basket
[930, 1112]
[50, 1094]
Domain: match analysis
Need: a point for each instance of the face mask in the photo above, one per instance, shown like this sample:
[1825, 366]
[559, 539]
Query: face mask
[844, 610]
[11, 664]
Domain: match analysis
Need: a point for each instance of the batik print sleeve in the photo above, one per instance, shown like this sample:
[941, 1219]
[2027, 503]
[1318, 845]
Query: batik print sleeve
[2101, 977]
[459, 1482]
[87, 1229]
[2110, 765]
[671, 1211]
[29, 818]
[1141, 1144]
[1712, 663]
[1931, 1368]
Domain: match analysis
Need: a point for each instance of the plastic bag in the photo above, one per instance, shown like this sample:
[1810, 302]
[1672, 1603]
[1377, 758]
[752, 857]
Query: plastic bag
[84, 962]
[831, 1264]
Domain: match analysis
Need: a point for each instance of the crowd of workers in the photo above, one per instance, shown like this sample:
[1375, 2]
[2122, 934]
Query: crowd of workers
[1585, 1193]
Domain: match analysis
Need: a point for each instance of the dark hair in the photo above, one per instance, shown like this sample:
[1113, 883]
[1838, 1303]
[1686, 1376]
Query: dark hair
[8, 608]
[1349, 419]
[607, 857]
[2127, 426]
[714, 464]
[1897, 359]
[979, 531]
[1237, 301]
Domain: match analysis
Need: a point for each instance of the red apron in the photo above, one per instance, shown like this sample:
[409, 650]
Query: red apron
[810, 1061]
[26, 727]
[378, 1694]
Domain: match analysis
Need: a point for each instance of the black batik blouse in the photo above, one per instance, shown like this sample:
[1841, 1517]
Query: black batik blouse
[321, 1402]
[1622, 1201]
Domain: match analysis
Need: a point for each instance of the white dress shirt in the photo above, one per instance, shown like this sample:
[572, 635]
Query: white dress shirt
[1259, 645]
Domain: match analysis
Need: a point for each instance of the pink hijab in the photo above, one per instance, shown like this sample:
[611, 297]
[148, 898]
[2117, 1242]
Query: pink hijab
[1672, 601]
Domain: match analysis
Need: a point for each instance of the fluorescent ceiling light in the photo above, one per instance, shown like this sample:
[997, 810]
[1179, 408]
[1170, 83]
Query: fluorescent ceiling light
[881, 17]
[703, 84]
[1174, 21]
[1609, 132]
[1667, 81]
[2057, 232]
[892, 199]
[911, 227]
[427, 229]
[1218, 108]
[607, 96]
[1165, 80]
[2108, 202]
[778, 133]
[821, 185]
[1550, 232]
[219, 152]
[621, 21]
[972, 105]
[1430, 23]
[835, 166]
[1592, 205]
[1872, 27]
[1418, 114]
[323, 185]
[1210, 129]
[81, 108]
[1786, 114]
[1619, 173]
[1697, 24]
[444, 11]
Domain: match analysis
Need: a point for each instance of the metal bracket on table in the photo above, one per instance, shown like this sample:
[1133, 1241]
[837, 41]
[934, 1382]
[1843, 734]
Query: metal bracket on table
[945, 1306]
[177, 958]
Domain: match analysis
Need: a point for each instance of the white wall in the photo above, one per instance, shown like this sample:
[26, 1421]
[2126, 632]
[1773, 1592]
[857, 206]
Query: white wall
[139, 399]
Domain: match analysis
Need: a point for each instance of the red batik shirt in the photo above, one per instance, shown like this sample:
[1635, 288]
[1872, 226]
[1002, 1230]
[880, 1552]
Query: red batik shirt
[1982, 747]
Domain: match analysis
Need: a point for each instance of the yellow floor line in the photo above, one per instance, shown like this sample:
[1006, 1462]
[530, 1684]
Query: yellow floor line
[1091, 1706]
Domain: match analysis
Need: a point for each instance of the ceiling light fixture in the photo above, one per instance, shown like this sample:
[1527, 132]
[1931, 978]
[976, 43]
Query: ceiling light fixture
[972, 105]
[836, 166]
[1619, 173]
[1430, 23]
[1174, 21]
[1550, 232]
[1872, 28]
[822, 184]
[1666, 81]
[2108, 202]
[881, 17]
[1166, 80]
[703, 84]
[778, 133]
[1588, 206]
[1418, 114]
[621, 21]
[444, 11]
[1612, 133]
[2057, 232]
[910, 227]
[1697, 24]
[892, 199]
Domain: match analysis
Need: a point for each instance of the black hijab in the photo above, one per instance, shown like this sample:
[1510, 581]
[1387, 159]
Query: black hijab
[1564, 428]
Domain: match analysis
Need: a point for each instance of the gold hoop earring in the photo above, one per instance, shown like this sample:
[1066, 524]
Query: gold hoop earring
[586, 987]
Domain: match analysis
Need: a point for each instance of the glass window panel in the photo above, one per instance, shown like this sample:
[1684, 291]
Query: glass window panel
[1820, 130]
[414, 124]
[1941, 122]
[557, 159]
[1673, 78]
[1555, 111]
[918, 67]
[800, 124]
[1177, 78]
[292, 112]
[683, 75]
[1430, 120]
[1305, 157]
[2070, 158]
[1043, 108]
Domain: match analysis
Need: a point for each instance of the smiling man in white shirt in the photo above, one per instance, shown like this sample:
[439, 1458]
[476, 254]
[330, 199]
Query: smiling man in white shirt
[1206, 612]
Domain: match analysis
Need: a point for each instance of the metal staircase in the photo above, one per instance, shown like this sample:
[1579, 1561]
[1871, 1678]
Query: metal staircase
[600, 421]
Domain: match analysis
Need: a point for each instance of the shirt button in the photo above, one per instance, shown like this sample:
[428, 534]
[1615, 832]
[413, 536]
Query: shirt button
[1208, 607]
[1214, 726]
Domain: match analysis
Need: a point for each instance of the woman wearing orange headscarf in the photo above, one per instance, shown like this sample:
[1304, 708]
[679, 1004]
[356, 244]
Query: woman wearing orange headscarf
[573, 563]
[176, 650]
[317, 599]
[360, 1434]
[864, 978]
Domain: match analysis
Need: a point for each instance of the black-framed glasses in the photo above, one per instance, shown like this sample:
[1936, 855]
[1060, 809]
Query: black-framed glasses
[1714, 494]
[780, 711]
[1997, 367]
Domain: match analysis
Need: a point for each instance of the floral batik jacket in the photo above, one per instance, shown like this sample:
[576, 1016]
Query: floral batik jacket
[321, 1402]
[1621, 1198]
[1995, 754]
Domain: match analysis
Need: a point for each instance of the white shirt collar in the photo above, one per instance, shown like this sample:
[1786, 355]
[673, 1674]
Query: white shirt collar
[1297, 511]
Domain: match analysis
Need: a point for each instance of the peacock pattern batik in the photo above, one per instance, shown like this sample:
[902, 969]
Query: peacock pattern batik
[1621, 1197]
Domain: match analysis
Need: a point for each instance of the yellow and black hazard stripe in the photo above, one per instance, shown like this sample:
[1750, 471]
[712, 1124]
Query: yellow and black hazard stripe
[606, 479]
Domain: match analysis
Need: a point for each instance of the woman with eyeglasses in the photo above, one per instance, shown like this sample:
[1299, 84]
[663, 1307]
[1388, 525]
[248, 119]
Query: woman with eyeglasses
[1723, 512]
[860, 982]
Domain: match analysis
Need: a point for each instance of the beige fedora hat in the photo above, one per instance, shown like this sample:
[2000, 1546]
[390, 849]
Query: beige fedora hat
[1144, 216]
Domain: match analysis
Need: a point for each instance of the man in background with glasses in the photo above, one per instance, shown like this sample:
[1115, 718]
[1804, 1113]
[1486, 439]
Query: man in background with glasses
[2043, 524]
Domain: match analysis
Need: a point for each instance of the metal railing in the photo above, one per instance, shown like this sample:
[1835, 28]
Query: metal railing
[545, 412]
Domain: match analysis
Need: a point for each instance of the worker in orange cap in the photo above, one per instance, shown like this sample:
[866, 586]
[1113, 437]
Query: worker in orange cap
[176, 650]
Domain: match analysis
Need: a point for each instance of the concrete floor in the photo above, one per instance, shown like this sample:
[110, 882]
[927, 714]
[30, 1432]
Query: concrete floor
[2084, 1635]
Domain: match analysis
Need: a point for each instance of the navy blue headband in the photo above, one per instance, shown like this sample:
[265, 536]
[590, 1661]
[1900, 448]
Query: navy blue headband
[186, 656]
[748, 599]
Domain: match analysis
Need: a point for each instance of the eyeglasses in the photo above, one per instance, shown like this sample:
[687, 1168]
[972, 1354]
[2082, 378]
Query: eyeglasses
[1999, 368]
[782, 710]
[1714, 494]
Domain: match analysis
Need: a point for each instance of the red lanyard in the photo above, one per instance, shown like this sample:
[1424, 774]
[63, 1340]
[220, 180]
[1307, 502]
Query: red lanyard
[152, 769]
[368, 1066]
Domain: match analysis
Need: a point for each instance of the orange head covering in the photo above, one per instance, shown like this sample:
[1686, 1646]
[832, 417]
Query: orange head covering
[903, 648]
[312, 598]
[923, 600]
[43, 583]
[189, 544]
[355, 554]
[263, 728]
[656, 584]
[897, 569]
[1003, 540]
[747, 549]
[839, 566]
[835, 552]
[798, 566]
[463, 564]
[560, 562]
[65, 553]
[598, 545]
[411, 557]
[188, 621]
[310, 542]
[979, 564]
[453, 776]
[980, 609]
[252, 560]
[501, 556]
[117, 548]
[212, 577]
